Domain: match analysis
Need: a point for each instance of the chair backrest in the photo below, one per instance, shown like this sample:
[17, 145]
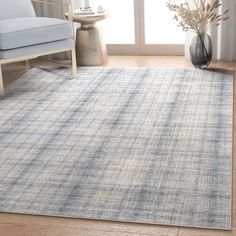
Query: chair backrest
[16, 9]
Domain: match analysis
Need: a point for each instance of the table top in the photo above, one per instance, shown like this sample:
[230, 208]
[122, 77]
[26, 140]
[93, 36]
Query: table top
[91, 18]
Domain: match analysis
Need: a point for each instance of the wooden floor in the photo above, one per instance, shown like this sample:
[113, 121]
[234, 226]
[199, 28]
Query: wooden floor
[25, 225]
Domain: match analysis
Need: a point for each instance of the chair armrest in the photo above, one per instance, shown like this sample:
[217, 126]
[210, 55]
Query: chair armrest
[64, 2]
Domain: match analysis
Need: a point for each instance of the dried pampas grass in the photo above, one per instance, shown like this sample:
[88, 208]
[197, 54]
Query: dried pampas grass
[199, 17]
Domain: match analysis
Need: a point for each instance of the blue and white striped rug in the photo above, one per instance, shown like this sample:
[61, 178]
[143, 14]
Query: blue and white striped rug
[125, 144]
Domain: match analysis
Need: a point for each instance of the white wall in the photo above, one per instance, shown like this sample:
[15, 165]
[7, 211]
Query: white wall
[228, 35]
[80, 3]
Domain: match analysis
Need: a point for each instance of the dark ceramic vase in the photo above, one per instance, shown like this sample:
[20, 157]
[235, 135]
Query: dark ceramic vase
[201, 51]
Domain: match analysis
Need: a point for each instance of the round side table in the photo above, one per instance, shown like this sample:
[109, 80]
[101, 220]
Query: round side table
[90, 46]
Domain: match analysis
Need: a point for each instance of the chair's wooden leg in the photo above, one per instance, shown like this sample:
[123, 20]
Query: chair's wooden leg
[1, 82]
[74, 63]
[27, 64]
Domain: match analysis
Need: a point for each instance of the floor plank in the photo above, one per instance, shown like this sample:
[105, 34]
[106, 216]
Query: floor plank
[206, 232]
[131, 228]
[36, 230]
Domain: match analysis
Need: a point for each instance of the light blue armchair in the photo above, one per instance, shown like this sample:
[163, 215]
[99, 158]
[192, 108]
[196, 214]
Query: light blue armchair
[24, 36]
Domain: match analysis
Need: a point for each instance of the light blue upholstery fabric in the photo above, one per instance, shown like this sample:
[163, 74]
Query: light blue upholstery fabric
[16, 8]
[40, 48]
[28, 31]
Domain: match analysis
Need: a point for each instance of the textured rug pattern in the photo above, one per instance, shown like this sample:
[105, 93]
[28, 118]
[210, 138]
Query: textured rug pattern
[125, 144]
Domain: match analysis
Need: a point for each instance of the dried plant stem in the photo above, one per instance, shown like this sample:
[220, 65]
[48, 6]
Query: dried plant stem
[199, 17]
[203, 44]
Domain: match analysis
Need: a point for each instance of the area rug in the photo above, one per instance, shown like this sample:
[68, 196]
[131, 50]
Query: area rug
[143, 145]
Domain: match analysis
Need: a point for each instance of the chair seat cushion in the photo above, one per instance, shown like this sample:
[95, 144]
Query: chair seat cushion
[31, 51]
[27, 31]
